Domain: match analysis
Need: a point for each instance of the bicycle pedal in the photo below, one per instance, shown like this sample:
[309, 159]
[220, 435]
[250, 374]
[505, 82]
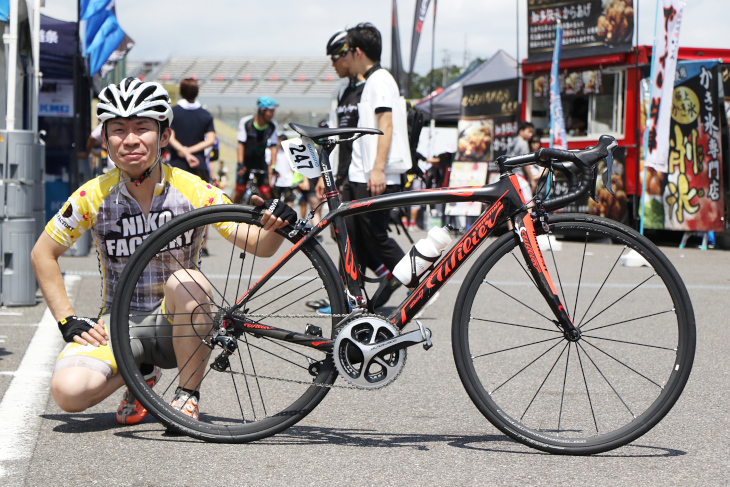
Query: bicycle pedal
[426, 335]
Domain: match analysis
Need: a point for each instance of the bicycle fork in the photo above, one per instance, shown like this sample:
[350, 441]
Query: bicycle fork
[524, 227]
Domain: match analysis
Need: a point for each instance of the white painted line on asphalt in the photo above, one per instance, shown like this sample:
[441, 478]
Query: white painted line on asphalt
[26, 397]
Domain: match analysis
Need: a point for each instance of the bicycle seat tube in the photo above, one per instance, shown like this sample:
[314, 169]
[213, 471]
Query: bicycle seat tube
[332, 194]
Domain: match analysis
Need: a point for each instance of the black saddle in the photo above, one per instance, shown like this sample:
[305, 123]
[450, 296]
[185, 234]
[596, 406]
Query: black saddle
[321, 133]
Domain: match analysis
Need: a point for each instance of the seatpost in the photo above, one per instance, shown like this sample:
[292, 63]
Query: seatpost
[330, 188]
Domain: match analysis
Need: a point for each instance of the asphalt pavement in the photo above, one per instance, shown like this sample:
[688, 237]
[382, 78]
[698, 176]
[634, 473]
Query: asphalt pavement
[423, 429]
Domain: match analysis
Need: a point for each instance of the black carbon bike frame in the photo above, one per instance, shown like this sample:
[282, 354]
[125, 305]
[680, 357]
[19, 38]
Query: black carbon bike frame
[503, 200]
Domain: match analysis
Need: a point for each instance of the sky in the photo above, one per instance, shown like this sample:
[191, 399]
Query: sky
[465, 29]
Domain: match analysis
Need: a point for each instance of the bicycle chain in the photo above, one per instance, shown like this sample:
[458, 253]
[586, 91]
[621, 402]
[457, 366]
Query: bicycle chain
[293, 381]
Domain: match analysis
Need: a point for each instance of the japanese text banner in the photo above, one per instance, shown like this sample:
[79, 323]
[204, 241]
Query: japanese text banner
[664, 65]
[558, 137]
[689, 197]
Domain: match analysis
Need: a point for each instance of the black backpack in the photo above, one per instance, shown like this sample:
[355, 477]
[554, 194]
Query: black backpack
[416, 119]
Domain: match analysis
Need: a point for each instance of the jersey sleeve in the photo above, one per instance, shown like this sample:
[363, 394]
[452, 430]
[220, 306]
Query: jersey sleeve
[381, 96]
[210, 126]
[242, 135]
[274, 138]
[76, 216]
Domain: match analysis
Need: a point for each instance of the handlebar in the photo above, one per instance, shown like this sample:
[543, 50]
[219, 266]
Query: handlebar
[578, 166]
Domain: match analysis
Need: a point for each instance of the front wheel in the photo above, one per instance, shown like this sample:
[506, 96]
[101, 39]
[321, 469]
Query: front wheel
[575, 397]
[265, 385]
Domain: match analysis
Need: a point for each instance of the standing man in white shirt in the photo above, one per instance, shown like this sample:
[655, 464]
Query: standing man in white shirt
[373, 168]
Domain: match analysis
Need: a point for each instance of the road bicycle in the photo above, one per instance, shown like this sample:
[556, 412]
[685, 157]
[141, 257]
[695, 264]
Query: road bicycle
[559, 345]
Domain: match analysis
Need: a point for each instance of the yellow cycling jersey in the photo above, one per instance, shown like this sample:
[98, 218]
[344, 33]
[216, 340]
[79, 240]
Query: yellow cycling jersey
[119, 226]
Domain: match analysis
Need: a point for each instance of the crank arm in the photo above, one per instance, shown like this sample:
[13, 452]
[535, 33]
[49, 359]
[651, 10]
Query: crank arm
[396, 343]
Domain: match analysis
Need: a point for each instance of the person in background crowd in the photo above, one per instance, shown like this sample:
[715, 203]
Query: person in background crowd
[256, 133]
[192, 132]
[283, 184]
[539, 174]
[380, 94]
[97, 148]
[517, 147]
[221, 180]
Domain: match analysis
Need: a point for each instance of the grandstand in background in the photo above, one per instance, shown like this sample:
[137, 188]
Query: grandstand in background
[229, 87]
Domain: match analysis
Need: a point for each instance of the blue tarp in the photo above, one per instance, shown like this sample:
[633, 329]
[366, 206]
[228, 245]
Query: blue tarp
[4, 10]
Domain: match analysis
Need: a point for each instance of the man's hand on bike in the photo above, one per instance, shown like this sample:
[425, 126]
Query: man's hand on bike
[241, 169]
[376, 183]
[83, 331]
[277, 213]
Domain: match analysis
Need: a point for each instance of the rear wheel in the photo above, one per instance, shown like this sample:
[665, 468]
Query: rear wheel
[575, 397]
[269, 384]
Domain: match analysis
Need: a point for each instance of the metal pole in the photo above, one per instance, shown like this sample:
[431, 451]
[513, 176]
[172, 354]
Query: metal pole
[11, 40]
[36, 43]
[431, 84]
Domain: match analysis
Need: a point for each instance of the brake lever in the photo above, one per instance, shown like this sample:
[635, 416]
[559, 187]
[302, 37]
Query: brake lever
[607, 183]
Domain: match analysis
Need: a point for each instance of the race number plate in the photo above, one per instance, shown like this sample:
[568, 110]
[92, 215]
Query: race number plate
[302, 156]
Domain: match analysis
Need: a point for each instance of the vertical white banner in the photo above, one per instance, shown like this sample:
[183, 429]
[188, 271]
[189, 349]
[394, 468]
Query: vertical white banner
[663, 67]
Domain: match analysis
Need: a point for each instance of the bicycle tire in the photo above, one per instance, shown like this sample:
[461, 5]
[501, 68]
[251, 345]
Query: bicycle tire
[575, 398]
[237, 408]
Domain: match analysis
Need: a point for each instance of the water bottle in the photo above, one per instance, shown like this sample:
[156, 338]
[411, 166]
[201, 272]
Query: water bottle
[422, 255]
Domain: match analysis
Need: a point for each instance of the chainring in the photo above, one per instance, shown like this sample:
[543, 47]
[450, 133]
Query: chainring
[356, 360]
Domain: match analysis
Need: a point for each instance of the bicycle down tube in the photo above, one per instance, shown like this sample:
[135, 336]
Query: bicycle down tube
[504, 198]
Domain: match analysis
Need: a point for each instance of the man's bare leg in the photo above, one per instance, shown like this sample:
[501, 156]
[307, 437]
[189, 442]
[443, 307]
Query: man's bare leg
[187, 295]
[76, 389]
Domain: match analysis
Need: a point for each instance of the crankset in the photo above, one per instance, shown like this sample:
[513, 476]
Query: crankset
[369, 352]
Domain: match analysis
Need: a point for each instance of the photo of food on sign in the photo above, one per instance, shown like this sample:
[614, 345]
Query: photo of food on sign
[613, 206]
[616, 24]
[475, 140]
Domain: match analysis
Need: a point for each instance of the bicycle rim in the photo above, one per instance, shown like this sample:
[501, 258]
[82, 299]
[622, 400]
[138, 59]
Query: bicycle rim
[601, 392]
[268, 386]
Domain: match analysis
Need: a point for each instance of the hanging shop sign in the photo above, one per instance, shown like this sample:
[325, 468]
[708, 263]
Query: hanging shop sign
[489, 117]
[590, 27]
[56, 99]
[571, 83]
[689, 197]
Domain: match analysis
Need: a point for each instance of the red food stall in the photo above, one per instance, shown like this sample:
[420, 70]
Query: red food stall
[602, 92]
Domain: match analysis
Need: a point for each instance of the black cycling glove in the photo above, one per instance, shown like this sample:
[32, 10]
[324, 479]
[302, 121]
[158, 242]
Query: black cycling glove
[75, 325]
[280, 209]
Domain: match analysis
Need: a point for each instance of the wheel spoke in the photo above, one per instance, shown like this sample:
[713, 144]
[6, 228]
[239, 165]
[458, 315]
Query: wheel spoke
[607, 381]
[580, 275]
[630, 343]
[624, 364]
[525, 367]
[616, 301]
[580, 322]
[544, 381]
[631, 320]
[515, 324]
[588, 392]
[515, 348]
[520, 302]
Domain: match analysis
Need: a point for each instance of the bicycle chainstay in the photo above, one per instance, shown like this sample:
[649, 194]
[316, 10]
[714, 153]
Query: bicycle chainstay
[325, 386]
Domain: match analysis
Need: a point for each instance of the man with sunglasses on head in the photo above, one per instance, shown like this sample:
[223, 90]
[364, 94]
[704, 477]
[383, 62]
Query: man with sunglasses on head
[367, 177]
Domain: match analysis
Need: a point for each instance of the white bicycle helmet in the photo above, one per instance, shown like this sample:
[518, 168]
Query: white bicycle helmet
[135, 98]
